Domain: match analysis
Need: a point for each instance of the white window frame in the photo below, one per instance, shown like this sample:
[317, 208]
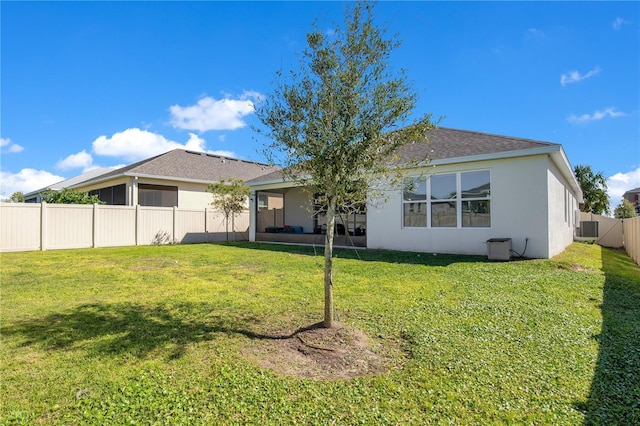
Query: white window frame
[458, 201]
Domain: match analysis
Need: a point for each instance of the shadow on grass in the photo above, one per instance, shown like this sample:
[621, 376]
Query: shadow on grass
[614, 398]
[371, 255]
[137, 330]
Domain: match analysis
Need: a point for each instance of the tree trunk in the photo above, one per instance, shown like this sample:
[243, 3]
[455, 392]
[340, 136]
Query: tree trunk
[227, 226]
[328, 265]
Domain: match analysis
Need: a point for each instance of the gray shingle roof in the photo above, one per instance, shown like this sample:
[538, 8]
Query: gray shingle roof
[447, 143]
[444, 143]
[181, 164]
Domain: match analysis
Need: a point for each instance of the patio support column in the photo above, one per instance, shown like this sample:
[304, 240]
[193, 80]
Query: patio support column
[252, 215]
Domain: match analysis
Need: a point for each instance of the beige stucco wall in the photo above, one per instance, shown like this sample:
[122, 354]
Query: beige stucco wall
[191, 195]
[298, 209]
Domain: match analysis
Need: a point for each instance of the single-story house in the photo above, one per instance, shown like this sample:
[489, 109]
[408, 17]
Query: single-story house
[633, 196]
[474, 188]
[35, 196]
[178, 178]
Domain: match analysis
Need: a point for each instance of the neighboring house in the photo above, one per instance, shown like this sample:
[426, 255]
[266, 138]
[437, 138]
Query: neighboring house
[475, 187]
[177, 178]
[34, 196]
[633, 196]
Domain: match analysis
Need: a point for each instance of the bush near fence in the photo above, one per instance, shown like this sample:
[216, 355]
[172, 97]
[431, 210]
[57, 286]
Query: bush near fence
[28, 227]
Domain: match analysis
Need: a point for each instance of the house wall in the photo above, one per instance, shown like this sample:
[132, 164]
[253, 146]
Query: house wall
[190, 195]
[562, 208]
[519, 204]
[298, 209]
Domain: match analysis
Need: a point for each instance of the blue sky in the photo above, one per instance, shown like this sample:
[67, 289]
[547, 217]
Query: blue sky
[101, 84]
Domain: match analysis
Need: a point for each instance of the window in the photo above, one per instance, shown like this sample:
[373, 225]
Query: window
[414, 200]
[444, 200]
[112, 195]
[475, 189]
[448, 200]
[157, 195]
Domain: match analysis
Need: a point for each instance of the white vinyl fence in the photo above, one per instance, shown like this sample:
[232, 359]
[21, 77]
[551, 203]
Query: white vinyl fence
[27, 227]
[618, 233]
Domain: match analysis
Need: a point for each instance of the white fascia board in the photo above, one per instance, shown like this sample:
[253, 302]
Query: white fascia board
[142, 175]
[497, 155]
[562, 162]
[274, 184]
[169, 178]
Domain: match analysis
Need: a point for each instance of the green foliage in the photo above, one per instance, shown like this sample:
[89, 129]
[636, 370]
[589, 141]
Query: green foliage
[69, 196]
[230, 197]
[624, 210]
[329, 123]
[336, 124]
[156, 335]
[594, 190]
[17, 197]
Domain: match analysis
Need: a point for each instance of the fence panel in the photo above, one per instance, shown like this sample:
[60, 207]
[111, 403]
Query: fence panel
[115, 226]
[609, 230]
[632, 238]
[155, 225]
[25, 226]
[67, 226]
[217, 227]
[190, 226]
[20, 227]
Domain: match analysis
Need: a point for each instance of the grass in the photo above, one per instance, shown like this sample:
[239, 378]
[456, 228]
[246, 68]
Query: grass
[155, 335]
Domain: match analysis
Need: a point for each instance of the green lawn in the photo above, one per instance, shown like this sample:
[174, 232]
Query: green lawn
[156, 335]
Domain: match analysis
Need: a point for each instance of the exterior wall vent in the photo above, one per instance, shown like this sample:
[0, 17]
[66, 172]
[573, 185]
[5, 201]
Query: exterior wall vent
[589, 229]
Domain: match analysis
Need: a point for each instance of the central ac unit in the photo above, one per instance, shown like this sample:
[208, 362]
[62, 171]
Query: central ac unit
[589, 229]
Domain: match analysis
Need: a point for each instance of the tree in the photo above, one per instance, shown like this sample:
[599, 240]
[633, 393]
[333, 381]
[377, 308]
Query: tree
[624, 210]
[336, 123]
[594, 190]
[17, 197]
[230, 198]
[69, 196]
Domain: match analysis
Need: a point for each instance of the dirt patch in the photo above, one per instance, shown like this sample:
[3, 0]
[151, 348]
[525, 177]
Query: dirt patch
[339, 353]
[575, 268]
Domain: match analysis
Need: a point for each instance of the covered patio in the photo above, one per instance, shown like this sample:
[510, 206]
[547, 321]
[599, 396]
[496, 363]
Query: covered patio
[288, 215]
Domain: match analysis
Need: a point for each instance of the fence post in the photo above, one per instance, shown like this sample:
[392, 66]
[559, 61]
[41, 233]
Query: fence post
[94, 231]
[175, 218]
[43, 226]
[137, 224]
[206, 225]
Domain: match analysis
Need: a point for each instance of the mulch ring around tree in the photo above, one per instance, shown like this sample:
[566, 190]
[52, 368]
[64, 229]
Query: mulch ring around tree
[337, 353]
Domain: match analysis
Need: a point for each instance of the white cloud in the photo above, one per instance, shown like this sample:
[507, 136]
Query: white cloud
[223, 153]
[617, 24]
[620, 183]
[598, 115]
[26, 180]
[575, 76]
[9, 147]
[136, 144]
[82, 160]
[534, 33]
[212, 114]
